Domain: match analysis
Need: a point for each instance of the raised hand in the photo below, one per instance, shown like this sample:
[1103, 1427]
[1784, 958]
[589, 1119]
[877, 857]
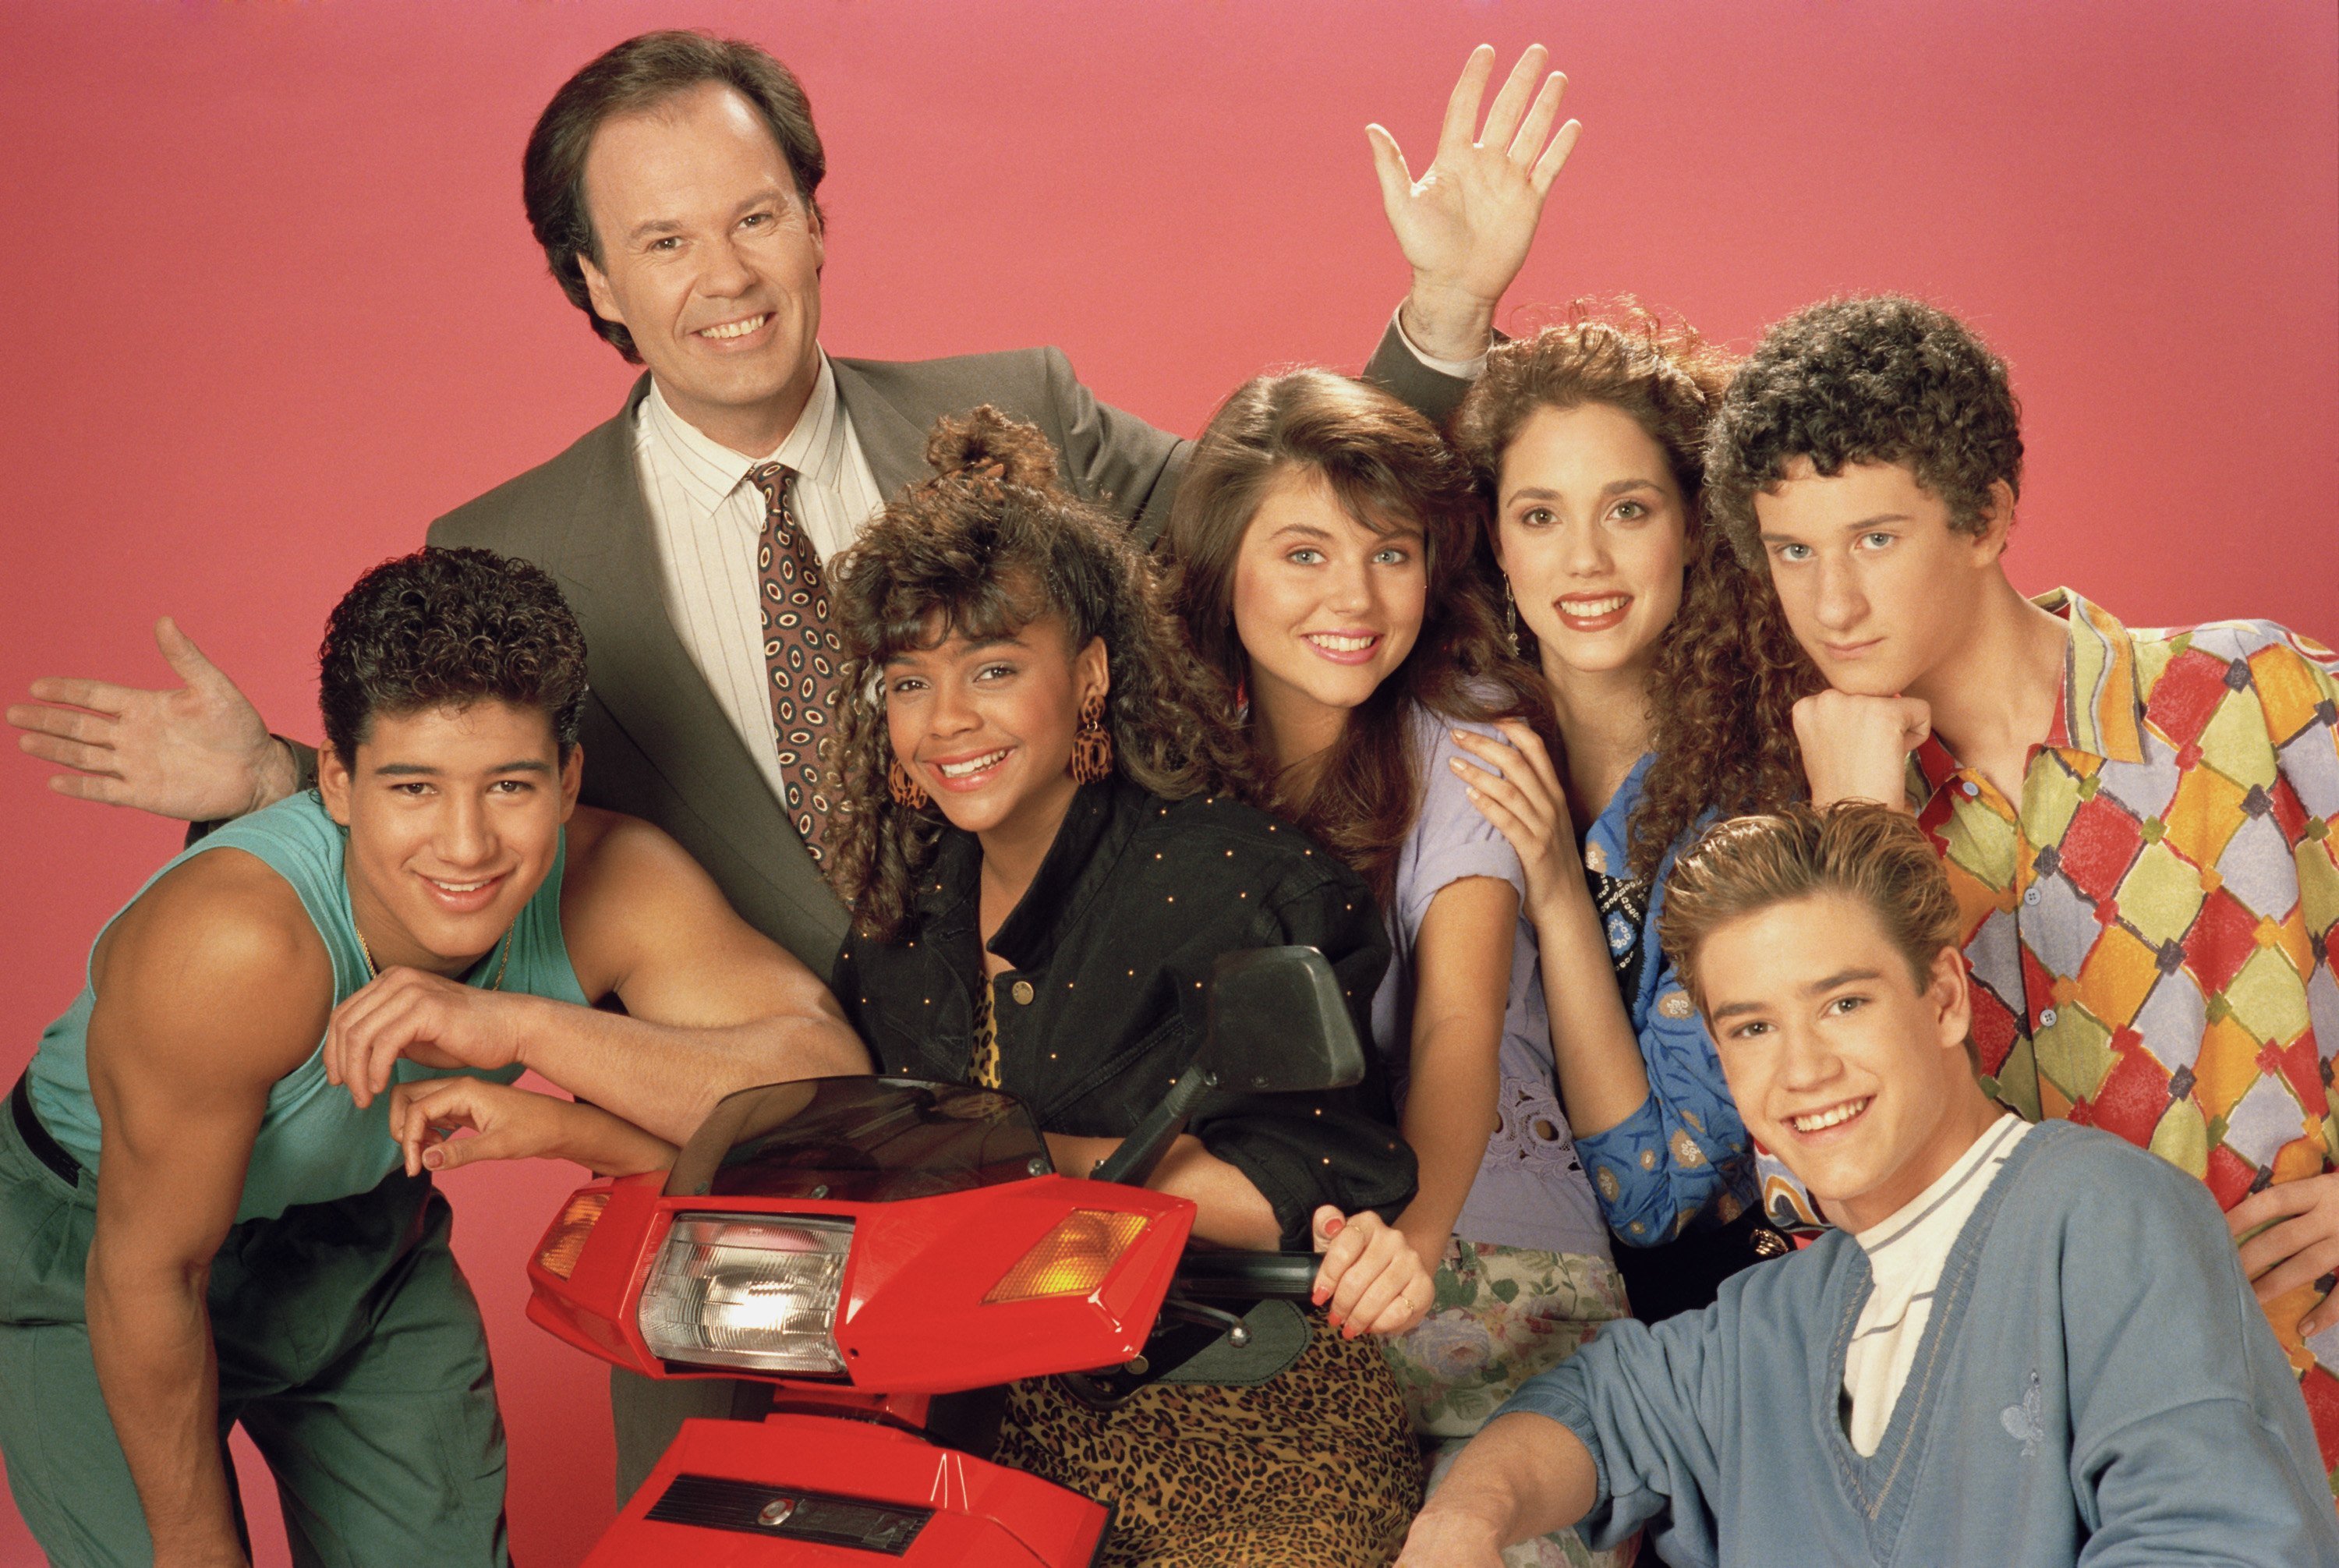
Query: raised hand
[1467, 224]
[198, 753]
[1519, 792]
[1371, 1279]
[1857, 747]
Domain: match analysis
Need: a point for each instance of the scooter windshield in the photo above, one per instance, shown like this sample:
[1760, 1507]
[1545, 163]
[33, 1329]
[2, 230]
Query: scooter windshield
[858, 1139]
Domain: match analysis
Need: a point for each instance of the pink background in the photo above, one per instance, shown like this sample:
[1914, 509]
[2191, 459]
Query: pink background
[274, 307]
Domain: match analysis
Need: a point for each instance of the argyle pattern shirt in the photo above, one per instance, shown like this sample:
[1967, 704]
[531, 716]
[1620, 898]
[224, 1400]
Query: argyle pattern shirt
[2150, 927]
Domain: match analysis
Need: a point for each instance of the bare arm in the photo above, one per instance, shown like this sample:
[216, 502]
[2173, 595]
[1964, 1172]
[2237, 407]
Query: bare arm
[210, 988]
[1522, 1477]
[712, 1005]
[1462, 968]
[1602, 1078]
[514, 1123]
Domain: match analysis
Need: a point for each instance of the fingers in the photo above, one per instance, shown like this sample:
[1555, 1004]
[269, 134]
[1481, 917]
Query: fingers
[2302, 1265]
[104, 788]
[1530, 746]
[1555, 157]
[94, 729]
[2320, 1318]
[1462, 108]
[2273, 1203]
[185, 658]
[1511, 103]
[422, 1115]
[1529, 142]
[1388, 166]
[103, 697]
[72, 753]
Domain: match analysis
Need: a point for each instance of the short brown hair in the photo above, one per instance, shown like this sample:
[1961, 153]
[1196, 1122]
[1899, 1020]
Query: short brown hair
[638, 74]
[447, 628]
[1387, 466]
[1884, 380]
[1868, 852]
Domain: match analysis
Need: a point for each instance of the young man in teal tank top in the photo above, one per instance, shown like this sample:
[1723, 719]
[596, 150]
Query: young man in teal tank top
[200, 1225]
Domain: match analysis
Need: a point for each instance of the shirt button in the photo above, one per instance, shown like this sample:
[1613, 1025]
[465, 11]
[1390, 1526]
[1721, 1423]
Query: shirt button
[1971, 788]
[1020, 991]
[2046, 1018]
[2031, 895]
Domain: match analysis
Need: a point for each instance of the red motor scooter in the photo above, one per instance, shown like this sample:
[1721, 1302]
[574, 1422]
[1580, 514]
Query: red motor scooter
[879, 1248]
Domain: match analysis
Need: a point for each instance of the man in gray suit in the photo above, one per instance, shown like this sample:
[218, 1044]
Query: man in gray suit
[672, 182]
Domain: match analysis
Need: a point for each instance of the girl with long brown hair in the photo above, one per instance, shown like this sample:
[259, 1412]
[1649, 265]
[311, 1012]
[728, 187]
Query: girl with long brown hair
[1324, 539]
[1043, 865]
[1671, 680]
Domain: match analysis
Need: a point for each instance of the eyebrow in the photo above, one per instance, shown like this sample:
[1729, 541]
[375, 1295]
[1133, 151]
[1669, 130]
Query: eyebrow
[973, 645]
[1816, 988]
[650, 226]
[423, 770]
[1862, 527]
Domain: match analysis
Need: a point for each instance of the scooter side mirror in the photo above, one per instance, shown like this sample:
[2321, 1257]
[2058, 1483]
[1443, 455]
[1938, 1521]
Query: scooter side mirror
[1277, 1023]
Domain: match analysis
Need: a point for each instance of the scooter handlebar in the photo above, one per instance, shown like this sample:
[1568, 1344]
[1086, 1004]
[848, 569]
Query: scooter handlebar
[1247, 1275]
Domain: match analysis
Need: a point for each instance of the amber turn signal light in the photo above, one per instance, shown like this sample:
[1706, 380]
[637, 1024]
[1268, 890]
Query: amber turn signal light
[565, 1242]
[1072, 1260]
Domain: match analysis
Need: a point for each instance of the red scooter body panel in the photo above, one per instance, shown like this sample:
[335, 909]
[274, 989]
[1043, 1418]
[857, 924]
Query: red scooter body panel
[984, 1515]
[911, 1319]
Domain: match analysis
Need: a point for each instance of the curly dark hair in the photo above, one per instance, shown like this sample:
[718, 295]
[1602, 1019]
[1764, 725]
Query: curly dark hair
[1728, 672]
[442, 628]
[1887, 379]
[1387, 466]
[641, 74]
[991, 543]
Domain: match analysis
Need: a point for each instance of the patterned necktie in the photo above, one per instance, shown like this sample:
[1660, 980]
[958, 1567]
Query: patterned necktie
[801, 652]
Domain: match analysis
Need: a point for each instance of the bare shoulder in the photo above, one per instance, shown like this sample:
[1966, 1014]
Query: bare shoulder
[610, 852]
[219, 953]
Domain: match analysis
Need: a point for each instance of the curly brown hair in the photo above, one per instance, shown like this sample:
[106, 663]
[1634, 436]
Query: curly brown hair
[1728, 672]
[1388, 467]
[448, 628]
[991, 543]
[1885, 380]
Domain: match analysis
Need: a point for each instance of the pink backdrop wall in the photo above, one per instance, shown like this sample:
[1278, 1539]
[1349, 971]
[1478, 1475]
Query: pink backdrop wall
[274, 307]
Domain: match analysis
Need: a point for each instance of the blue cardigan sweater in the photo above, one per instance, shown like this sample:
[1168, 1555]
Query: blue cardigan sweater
[2096, 1385]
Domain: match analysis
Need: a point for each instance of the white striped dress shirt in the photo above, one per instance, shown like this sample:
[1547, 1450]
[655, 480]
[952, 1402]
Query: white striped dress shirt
[707, 519]
[1906, 1254]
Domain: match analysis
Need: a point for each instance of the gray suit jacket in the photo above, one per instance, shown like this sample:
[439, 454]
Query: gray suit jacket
[657, 743]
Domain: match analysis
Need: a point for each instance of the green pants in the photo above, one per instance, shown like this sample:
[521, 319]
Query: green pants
[350, 1348]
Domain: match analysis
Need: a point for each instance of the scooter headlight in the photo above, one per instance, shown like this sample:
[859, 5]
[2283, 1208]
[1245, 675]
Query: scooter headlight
[753, 1292]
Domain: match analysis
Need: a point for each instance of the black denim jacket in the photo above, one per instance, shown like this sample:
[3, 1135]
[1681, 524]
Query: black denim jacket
[1112, 945]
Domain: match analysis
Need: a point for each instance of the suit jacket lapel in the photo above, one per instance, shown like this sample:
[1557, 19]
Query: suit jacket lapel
[894, 445]
[646, 678]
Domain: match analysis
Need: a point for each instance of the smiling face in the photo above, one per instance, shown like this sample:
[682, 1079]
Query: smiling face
[986, 724]
[1591, 532]
[1325, 609]
[1879, 590]
[1841, 1062]
[454, 816]
[711, 260]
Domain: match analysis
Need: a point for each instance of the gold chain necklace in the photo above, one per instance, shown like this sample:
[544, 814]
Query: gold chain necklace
[374, 969]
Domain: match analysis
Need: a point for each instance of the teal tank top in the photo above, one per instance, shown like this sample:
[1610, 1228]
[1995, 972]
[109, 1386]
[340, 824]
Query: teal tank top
[314, 1145]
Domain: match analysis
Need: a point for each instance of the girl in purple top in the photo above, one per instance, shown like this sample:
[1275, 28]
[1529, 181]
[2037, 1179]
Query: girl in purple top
[1673, 684]
[1325, 539]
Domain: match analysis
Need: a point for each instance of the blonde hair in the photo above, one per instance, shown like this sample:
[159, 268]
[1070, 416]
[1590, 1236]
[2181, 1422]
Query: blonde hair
[1871, 852]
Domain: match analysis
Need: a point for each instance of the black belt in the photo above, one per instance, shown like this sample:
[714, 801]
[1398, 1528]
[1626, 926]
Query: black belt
[37, 1137]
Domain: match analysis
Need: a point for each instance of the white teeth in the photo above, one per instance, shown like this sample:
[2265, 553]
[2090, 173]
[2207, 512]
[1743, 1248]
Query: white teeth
[458, 886]
[1827, 1119]
[737, 329]
[1341, 645]
[959, 770]
[1589, 608]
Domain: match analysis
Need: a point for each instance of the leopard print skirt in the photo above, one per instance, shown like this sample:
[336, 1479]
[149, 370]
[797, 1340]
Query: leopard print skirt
[1315, 1468]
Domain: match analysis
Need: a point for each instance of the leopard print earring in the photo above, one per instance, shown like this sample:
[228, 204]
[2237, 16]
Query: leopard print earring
[904, 788]
[1092, 747]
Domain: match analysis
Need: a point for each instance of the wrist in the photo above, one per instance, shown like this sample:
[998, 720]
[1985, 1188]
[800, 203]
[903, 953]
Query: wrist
[275, 773]
[1446, 321]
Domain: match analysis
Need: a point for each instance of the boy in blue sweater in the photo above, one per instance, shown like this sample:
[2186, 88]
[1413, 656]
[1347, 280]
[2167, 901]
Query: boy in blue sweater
[2017, 1348]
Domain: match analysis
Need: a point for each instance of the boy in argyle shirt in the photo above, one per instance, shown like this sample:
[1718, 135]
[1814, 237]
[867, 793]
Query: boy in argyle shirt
[2137, 823]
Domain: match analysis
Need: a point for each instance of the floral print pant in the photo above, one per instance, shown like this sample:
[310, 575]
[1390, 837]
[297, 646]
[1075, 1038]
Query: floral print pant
[1502, 1315]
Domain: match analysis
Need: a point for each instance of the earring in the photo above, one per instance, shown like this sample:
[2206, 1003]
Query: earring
[1242, 702]
[1510, 617]
[1092, 747]
[904, 788]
